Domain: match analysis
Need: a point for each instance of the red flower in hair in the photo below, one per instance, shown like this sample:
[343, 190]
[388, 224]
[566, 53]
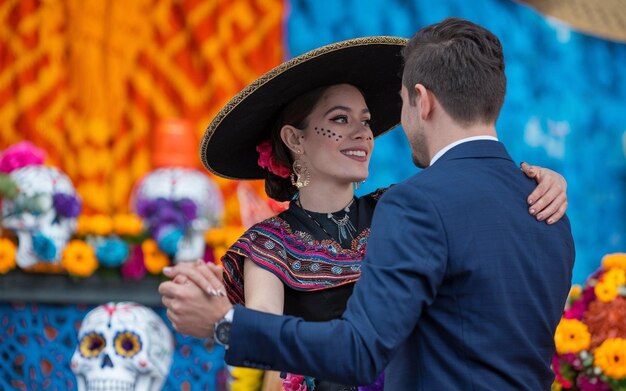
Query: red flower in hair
[269, 161]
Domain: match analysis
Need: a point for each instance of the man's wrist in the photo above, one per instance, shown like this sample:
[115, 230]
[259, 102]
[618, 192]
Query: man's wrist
[221, 331]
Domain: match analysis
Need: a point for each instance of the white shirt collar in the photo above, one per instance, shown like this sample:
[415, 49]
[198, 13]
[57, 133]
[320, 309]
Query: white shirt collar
[461, 141]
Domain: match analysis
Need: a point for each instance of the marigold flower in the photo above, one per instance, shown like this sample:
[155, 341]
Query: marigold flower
[233, 233]
[616, 277]
[7, 255]
[79, 259]
[246, 379]
[82, 225]
[218, 253]
[611, 357]
[571, 336]
[605, 291]
[94, 195]
[614, 261]
[127, 224]
[575, 291]
[214, 237]
[153, 258]
[101, 225]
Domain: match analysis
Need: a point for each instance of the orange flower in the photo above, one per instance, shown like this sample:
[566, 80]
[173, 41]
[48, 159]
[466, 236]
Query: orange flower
[218, 253]
[575, 291]
[153, 258]
[611, 357]
[605, 291]
[615, 277]
[82, 225]
[127, 224]
[233, 232]
[7, 255]
[214, 237]
[614, 261]
[100, 224]
[79, 259]
[571, 336]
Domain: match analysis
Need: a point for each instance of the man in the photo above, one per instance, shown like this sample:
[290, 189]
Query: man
[461, 288]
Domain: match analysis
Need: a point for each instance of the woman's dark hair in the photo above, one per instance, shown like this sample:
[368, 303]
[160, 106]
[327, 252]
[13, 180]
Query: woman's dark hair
[296, 114]
[462, 64]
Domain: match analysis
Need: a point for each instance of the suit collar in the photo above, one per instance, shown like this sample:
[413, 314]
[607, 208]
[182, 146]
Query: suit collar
[476, 149]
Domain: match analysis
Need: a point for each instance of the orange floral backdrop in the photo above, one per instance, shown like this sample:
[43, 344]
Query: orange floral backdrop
[90, 81]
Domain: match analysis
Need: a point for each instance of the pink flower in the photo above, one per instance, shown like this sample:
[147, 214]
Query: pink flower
[20, 155]
[592, 384]
[269, 161]
[209, 255]
[294, 383]
[576, 311]
[556, 367]
[573, 360]
[134, 268]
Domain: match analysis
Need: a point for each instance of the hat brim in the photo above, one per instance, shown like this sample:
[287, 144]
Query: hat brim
[373, 64]
[605, 19]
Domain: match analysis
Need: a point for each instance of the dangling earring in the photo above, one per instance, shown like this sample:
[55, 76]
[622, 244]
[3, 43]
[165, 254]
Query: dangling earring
[300, 175]
[355, 185]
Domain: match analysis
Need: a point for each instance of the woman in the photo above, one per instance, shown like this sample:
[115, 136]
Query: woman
[312, 122]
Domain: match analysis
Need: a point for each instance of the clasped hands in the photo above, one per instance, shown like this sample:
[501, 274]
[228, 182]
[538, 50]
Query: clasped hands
[195, 297]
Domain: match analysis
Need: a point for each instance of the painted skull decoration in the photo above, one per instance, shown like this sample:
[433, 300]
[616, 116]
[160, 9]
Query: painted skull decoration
[42, 215]
[122, 346]
[178, 205]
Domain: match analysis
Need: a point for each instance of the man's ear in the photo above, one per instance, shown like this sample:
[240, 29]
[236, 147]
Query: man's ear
[292, 137]
[425, 100]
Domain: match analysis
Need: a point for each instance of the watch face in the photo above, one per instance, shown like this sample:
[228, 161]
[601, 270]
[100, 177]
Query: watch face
[222, 332]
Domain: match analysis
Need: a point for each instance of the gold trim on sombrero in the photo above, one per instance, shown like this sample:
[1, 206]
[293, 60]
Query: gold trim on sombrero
[604, 18]
[243, 94]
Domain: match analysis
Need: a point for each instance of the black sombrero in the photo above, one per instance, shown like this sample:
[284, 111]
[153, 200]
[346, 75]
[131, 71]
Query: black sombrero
[372, 64]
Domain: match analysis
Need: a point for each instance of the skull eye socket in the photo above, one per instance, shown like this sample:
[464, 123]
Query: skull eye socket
[127, 344]
[91, 345]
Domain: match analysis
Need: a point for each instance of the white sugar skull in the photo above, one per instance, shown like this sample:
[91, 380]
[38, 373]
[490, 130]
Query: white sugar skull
[178, 205]
[122, 346]
[43, 215]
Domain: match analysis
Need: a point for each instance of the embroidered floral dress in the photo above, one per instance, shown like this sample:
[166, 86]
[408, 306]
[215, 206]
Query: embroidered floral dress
[317, 272]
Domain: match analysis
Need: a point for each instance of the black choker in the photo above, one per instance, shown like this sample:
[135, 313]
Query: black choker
[344, 225]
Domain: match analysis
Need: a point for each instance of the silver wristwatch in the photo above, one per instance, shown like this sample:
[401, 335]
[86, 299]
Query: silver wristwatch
[222, 328]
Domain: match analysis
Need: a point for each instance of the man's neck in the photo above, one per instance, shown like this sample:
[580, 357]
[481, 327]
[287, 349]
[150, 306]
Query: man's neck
[455, 133]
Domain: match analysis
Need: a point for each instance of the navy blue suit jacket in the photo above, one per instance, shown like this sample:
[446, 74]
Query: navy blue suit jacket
[461, 289]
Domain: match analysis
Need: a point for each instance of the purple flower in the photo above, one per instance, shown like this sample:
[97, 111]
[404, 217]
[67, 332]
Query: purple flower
[188, 208]
[145, 208]
[66, 205]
